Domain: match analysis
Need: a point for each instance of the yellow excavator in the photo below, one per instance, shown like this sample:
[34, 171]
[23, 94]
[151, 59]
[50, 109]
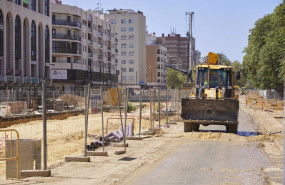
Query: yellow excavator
[212, 100]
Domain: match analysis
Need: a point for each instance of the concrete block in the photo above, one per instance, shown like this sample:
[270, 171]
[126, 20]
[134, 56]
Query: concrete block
[137, 138]
[95, 153]
[119, 152]
[29, 157]
[77, 159]
[35, 173]
[119, 145]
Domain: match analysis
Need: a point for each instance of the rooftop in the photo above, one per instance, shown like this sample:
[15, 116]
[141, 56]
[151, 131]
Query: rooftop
[123, 11]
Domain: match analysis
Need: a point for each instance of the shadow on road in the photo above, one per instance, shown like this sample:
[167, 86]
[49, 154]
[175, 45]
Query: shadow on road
[240, 133]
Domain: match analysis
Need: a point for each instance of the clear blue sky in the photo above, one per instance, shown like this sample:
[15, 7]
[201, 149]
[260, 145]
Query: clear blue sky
[219, 25]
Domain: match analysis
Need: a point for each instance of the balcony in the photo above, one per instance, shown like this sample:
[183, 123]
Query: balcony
[18, 72]
[116, 51]
[10, 72]
[116, 40]
[66, 23]
[109, 48]
[89, 42]
[109, 59]
[100, 34]
[90, 55]
[100, 57]
[100, 45]
[89, 29]
[66, 36]
[67, 50]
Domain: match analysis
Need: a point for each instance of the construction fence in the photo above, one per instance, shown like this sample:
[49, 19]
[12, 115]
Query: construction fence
[265, 100]
[74, 120]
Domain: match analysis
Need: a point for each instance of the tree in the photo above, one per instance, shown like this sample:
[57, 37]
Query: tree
[238, 67]
[175, 78]
[265, 54]
[223, 60]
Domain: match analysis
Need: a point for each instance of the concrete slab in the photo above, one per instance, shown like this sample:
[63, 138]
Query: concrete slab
[137, 138]
[119, 152]
[35, 173]
[96, 153]
[119, 145]
[77, 159]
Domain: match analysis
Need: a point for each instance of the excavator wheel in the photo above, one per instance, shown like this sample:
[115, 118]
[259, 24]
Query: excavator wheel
[232, 128]
[190, 127]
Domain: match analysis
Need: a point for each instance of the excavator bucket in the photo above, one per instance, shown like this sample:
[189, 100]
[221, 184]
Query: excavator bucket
[210, 110]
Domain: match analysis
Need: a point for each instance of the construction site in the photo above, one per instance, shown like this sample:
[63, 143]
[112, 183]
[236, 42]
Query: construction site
[154, 132]
[96, 99]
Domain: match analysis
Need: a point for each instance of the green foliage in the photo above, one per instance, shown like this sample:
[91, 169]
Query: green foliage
[265, 54]
[175, 78]
[223, 60]
[238, 67]
[131, 107]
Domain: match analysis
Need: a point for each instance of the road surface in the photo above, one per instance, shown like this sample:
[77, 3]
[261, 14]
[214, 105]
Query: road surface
[210, 162]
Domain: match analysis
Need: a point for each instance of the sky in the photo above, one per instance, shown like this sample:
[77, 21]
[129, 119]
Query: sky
[219, 26]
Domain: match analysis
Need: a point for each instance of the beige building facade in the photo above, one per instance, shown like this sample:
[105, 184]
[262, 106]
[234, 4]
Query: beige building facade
[84, 47]
[131, 27]
[25, 41]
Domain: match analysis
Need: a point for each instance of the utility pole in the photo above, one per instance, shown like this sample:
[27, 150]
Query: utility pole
[190, 37]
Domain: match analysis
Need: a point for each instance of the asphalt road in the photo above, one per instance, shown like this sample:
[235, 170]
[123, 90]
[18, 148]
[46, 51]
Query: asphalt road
[210, 162]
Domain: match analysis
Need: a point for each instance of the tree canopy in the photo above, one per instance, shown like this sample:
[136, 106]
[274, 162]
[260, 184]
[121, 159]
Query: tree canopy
[175, 78]
[265, 54]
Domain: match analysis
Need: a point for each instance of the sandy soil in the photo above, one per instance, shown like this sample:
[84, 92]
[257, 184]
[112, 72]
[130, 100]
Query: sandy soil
[65, 138]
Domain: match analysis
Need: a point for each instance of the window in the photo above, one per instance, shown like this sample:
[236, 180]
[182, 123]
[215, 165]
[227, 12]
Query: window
[158, 59]
[131, 45]
[124, 62]
[131, 61]
[124, 78]
[33, 5]
[123, 21]
[131, 21]
[131, 53]
[18, 2]
[33, 42]
[113, 21]
[131, 29]
[53, 59]
[17, 37]
[158, 51]
[131, 78]
[1, 34]
[124, 54]
[131, 69]
[131, 37]
[124, 45]
[124, 70]
[124, 37]
[123, 29]
[68, 60]
[158, 74]
[47, 45]
[47, 7]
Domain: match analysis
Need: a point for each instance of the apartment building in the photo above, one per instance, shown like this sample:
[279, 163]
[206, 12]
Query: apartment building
[131, 27]
[84, 47]
[178, 50]
[156, 54]
[25, 42]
